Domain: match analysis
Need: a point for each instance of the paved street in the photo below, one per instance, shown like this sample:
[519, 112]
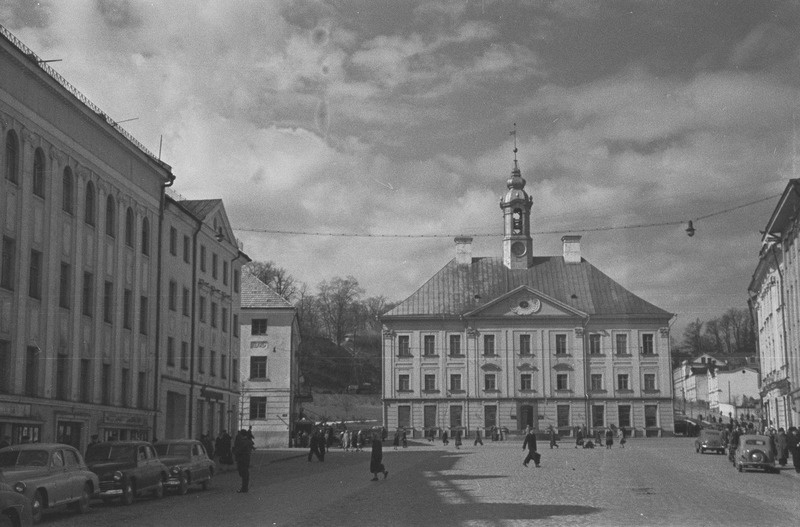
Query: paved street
[649, 482]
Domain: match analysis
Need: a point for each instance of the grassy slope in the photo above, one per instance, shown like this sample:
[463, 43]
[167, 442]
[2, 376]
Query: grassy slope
[347, 407]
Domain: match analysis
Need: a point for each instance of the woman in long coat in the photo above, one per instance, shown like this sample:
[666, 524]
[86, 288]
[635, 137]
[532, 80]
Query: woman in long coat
[376, 459]
[782, 447]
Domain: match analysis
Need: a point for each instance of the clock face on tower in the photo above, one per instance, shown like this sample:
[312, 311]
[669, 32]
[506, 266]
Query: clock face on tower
[518, 249]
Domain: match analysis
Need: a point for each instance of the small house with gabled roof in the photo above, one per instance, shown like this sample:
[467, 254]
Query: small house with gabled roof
[525, 340]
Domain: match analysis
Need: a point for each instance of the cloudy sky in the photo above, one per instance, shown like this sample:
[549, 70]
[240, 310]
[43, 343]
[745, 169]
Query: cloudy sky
[392, 117]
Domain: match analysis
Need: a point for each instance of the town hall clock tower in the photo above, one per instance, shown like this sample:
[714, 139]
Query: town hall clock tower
[516, 206]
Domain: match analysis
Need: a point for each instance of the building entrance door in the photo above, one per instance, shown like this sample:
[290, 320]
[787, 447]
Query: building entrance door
[69, 433]
[527, 416]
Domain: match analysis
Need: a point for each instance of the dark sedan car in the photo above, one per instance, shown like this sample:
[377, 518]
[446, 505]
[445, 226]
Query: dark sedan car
[49, 475]
[15, 509]
[755, 451]
[188, 464]
[127, 469]
[687, 427]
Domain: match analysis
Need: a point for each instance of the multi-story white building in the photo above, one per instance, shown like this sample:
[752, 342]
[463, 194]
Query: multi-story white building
[80, 202]
[201, 265]
[775, 301]
[526, 340]
[269, 369]
[729, 390]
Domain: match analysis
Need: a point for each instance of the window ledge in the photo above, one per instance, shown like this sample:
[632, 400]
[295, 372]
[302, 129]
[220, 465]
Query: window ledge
[430, 391]
[405, 391]
[527, 355]
[626, 355]
[651, 391]
[598, 391]
[430, 356]
[563, 355]
[650, 355]
[624, 390]
[563, 390]
[457, 356]
[493, 390]
[457, 392]
[531, 390]
[599, 355]
[409, 356]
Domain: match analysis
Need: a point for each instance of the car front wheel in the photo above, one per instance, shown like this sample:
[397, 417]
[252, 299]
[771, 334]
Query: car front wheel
[82, 505]
[183, 486]
[158, 492]
[37, 505]
[128, 493]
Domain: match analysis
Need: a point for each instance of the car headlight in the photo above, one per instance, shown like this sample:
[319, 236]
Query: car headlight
[175, 471]
[117, 475]
[19, 487]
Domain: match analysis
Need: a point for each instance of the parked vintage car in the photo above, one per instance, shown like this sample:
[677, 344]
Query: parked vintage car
[686, 426]
[188, 464]
[127, 469]
[15, 509]
[709, 439]
[49, 475]
[755, 451]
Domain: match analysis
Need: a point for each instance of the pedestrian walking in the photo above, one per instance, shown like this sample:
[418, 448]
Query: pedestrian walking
[553, 437]
[578, 437]
[478, 439]
[793, 444]
[445, 441]
[530, 444]
[396, 440]
[207, 444]
[226, 454]
[404, 439]
[458, 439]
[782, 446]
[609, 438]
[242, 449]
[316, 446]
[621, 437]
[376, 459]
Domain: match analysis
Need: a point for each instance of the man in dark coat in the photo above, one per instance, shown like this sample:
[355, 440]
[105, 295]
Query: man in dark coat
[530, 444]
[242, 448]
[316, 448]
[376, 459]
[793, 444]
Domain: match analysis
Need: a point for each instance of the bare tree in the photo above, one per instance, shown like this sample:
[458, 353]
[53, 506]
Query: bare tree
[276, 277]
[338, 306]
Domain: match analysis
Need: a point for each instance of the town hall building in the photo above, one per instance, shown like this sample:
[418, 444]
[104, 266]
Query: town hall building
[525, 340]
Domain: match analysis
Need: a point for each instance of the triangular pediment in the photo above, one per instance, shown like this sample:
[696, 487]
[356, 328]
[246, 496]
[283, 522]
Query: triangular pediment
[525, 302]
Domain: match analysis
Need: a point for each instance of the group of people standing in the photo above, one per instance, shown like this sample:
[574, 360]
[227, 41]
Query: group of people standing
[782, 443]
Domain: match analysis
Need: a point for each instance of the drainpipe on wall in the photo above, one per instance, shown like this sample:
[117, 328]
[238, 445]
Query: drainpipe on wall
[157, 369]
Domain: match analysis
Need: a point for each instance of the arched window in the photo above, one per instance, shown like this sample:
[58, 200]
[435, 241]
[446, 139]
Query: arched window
[129, 227]
[111, 219]
[12, 161]
[145, 236]
[66, 191]
[88, 215]
[38, 172]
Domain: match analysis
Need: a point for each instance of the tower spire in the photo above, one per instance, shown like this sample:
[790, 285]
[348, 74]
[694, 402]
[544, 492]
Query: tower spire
[516, 206]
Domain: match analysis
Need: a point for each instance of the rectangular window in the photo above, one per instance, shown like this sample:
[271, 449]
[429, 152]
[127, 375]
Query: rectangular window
[125, 387]
[430, 382]
[86, 380]
[202, 309]
[404, 416]
[223, 366]
[596, 382]
[106, 387]
[562, 381]
[201, 367]
[429, 345]
[429, 416]
[403, 349]
[258, 326]
[141, 390]
[650, 415]
[213, 314]
[65, 286]
[525, 345]
[622, 381]
[488, 345]
[127, 309]
[647, 344]
[32, 371]
[456, 416]
[235, 370]
[455, 345]
[258, 367]
[186, 302]
[224, 319]
[235, 325]
[650, 382]
[225, 272]
[598, 416]
[143, 312]
[594, 344]
[173, 295]
[7, 264]
[173, 241]
[624, 416]
[187, 249]
[212, 363]
[489, 382]
[170, 351]
[62, 375]
[622, 344]
[562, 415]
[184, 355]
[489, 416]
[258, 407]
[403, 383]
[455, 382]
[203, 258]
[214, 263]
[561, 344]
[108, 302]
[88, 293]
[526, 382]
[235, 281]
[35, 277]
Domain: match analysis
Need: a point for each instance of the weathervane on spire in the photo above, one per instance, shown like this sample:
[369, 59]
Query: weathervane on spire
[514, 133]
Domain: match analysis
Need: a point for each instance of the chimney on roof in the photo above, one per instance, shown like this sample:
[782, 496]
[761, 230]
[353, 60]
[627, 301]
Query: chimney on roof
[463, 250]
[572, 249]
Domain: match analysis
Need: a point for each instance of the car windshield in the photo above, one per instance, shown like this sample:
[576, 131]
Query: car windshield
[755, 442]
[24, 458]
[110, 453]
[173, 450]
